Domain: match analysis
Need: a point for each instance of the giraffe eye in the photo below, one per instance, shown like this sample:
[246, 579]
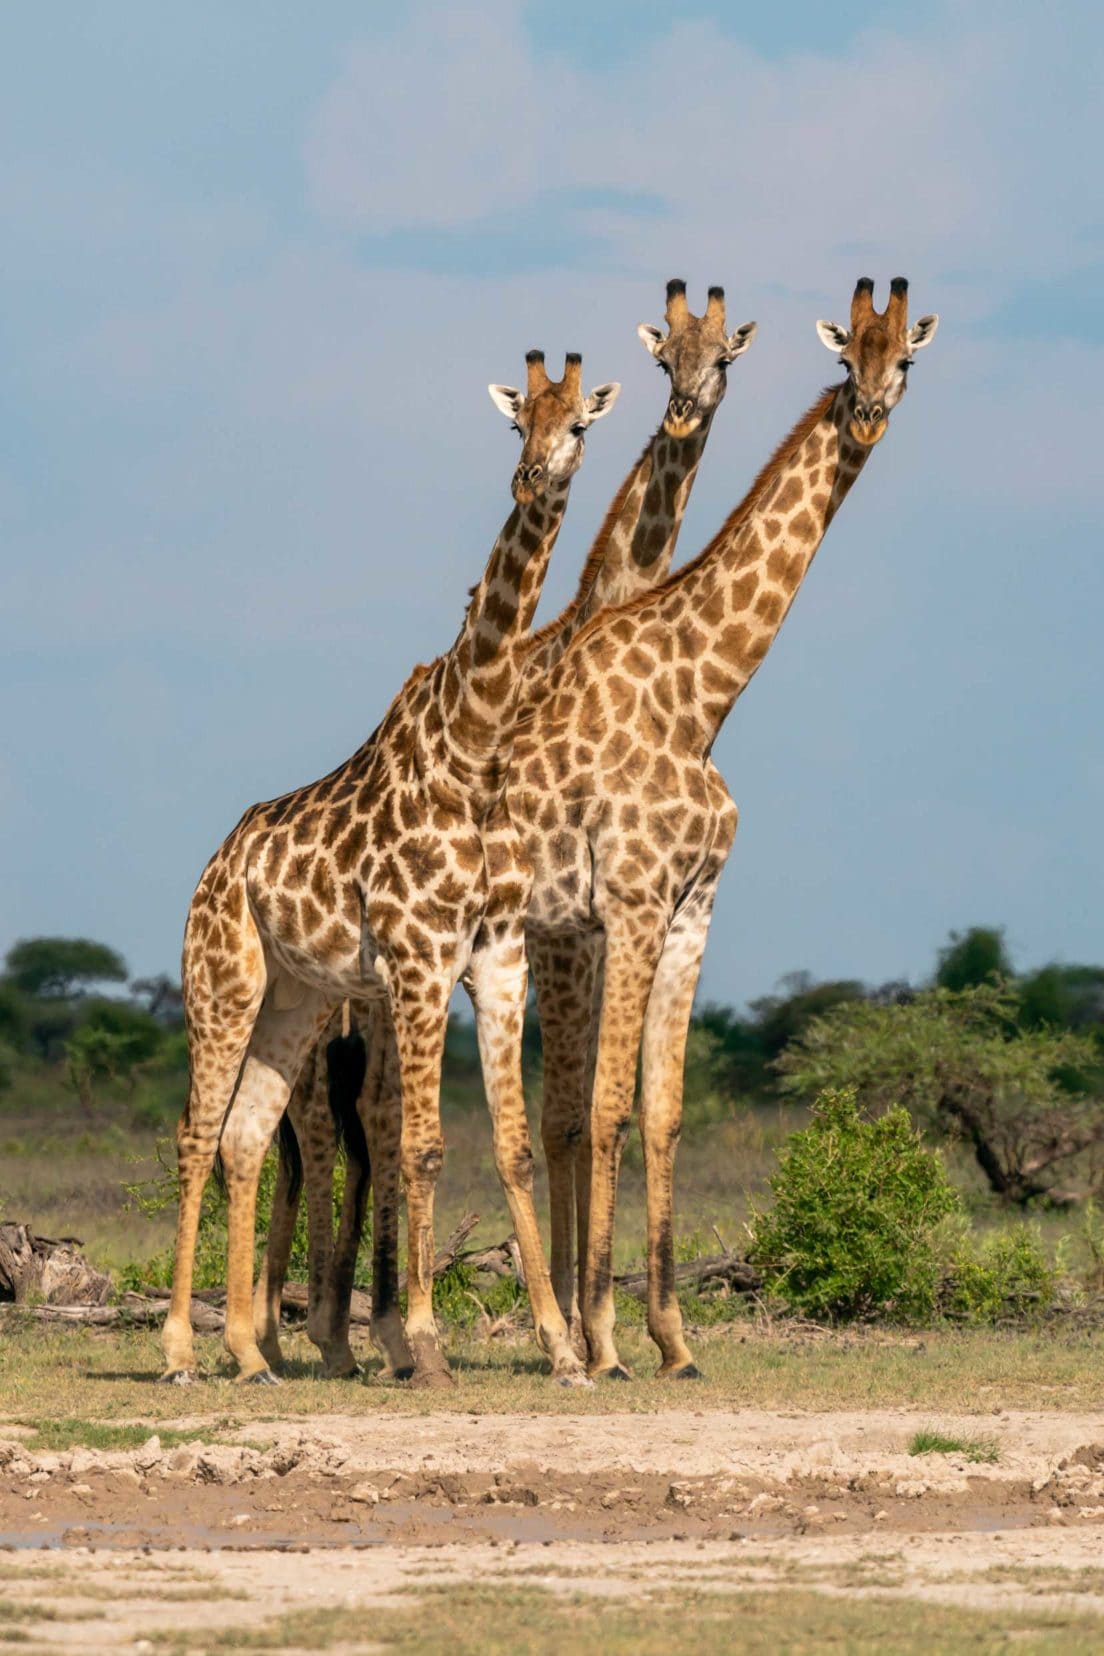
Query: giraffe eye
[515, 427]
[662, 366]
[578, 430]
[906, 363]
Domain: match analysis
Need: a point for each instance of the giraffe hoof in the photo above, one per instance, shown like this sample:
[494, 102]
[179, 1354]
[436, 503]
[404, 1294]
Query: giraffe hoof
[262, 1377]
[178, 1377]
[342, 1368]
[618, 1371]
[404, 1372]
[432, 1379]
[686, 1371]
[574, 1377]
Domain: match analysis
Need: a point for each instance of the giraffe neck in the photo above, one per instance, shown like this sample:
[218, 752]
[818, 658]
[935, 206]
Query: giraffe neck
[725, 609]
[632, 551]
[478, 679]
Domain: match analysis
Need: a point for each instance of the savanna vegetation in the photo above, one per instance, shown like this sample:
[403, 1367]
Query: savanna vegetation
[911, 1154]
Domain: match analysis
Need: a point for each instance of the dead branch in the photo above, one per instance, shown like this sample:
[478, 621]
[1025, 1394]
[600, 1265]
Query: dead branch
[727, 1267]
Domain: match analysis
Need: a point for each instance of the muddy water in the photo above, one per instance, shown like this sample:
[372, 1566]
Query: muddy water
[362, 1482]
[106, 1508]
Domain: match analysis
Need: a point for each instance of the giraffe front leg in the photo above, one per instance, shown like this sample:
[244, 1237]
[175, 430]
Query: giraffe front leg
[666, 1026]
[564, 972]
[380, 1112]
[498, 979]
[630, 966]
[419, 1013]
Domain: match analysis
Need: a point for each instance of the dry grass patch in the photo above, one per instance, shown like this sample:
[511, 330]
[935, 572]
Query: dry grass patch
[499, 1621]
[83, 1376]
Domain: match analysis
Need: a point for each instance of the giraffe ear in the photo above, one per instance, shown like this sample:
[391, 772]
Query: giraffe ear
[507, 400]
[832, 335]
[738, 342]
[653, 338]
[602, 399]
[922, 332]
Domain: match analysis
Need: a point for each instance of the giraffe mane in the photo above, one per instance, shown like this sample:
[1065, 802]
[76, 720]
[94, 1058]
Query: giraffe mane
[740, 514]
[594, 558]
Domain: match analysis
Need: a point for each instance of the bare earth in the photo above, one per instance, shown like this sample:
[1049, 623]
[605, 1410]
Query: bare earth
[601, 1504]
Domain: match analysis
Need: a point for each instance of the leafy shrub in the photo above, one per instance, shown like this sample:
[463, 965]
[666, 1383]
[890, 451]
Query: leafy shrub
[960, 1062]
[1003, 1275]
[154, 1196]
[853, 1232]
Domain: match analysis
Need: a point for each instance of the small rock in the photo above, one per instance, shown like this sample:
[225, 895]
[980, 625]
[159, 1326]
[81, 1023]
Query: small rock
[366, 1493]
[80, 1489]
[149, 1454]
[184, 1458]
[679, 1496]
[880, 1517]
[241, 1518]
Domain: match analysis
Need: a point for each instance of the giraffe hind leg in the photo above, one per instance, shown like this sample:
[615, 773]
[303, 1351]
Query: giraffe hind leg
[281, 1038]
[268, 1297]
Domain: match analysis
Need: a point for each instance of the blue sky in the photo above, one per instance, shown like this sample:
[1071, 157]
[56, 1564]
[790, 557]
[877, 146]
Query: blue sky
[261, 261]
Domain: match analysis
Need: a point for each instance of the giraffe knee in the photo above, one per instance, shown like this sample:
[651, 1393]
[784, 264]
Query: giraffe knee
[515, 1165]
[424, 1165]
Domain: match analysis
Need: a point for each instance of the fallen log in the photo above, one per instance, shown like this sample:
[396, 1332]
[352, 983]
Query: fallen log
[148, 1309]
[726, 1267]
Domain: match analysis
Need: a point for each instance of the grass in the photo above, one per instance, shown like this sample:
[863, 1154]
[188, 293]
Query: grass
[977, 1450]
[105, 1376]
[58, 1434]
[498, 1621]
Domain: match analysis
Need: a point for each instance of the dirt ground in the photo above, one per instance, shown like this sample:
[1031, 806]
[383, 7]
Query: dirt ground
[115, 1541]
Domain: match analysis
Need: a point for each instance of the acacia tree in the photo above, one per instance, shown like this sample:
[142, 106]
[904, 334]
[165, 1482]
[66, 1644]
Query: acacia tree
[961, 1062]
[58, 968]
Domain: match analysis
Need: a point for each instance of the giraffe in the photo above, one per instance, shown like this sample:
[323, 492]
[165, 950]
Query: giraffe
[626, 823]
[371, 884]
[632, 550]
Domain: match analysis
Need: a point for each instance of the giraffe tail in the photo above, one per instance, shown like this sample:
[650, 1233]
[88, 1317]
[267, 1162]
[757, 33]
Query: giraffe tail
[346, 1067]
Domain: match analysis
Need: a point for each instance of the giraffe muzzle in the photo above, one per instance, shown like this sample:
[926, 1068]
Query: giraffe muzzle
[868, 423]
[528, 482]
[682, 416]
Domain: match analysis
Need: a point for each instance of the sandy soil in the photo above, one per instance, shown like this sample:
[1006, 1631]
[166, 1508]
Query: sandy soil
[600, 1502]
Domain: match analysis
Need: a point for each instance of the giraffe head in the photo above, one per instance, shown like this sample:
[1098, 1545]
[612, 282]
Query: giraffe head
[551, 417]
[694, 354]
[877, 351]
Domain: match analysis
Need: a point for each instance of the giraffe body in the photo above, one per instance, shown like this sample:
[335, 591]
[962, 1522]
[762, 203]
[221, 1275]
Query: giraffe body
[369, 885]
[627, 824]
[633, 548]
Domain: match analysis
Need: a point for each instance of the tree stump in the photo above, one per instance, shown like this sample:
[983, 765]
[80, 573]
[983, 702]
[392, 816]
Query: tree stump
[47, 1269]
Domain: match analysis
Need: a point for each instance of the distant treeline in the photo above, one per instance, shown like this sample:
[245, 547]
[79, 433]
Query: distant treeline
[69, 1005]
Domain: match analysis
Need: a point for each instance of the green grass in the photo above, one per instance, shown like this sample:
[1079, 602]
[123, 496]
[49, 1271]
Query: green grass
[106, 1376]
[499, 1621]
[978, 1450]
[92, 1434]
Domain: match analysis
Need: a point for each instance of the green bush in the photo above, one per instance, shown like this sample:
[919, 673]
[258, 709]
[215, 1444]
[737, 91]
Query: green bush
[1005, 1275]
[854, 1229]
